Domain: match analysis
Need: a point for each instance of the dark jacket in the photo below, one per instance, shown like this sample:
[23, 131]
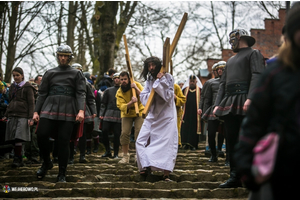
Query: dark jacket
[202, 96]
[62, 94]
[238, 81]
[105, 83]
[276, 102]
[109, 109]
[209, 99]
[90, 104]
[22, 103]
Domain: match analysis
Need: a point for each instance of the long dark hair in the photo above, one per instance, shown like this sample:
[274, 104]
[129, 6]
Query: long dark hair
[289, 52]
[157, 63]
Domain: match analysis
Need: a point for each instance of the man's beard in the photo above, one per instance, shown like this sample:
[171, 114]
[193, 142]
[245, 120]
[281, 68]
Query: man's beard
[154, 72]
[125, 88]
[192, 87]
[63, 65]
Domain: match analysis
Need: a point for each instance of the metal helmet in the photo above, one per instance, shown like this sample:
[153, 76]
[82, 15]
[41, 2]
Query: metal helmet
[214, 67]
[64, 50]
[116, 75]
[77, 66]
[221, 64]
[233, 40]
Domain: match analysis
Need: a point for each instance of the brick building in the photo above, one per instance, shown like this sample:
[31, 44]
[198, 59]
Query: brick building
[267, 42]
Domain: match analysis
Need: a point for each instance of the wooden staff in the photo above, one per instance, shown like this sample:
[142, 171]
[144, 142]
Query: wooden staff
[167, 54]
[136, 107]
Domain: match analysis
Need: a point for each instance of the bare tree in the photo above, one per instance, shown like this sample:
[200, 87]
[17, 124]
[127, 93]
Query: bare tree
[16, 17]
[108, 31]
[3, 10]
[71, 23]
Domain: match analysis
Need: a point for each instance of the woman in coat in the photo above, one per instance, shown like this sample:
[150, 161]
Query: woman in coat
[275, 108]
[19, 114]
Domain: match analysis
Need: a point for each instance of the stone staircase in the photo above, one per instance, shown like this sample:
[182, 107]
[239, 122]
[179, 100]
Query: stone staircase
[103, 178]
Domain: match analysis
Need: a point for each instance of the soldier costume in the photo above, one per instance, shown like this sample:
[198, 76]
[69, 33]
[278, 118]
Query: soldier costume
[61, 97]
[209, 96]
[111, 118]
[237, 84]
[90, 112]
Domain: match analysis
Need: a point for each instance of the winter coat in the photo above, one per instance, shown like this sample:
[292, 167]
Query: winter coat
[275, 107]
[22, 103]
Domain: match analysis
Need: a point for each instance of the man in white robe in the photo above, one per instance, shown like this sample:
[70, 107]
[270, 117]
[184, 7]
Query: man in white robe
[157, 143]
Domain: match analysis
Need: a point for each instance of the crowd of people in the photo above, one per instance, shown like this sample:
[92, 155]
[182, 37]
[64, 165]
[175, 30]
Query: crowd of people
[245, 100]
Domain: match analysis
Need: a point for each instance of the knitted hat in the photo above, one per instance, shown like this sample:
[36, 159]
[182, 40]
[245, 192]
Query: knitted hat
[292, 21]
[19, 70]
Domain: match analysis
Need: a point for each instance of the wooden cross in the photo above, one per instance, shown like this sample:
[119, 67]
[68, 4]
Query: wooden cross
[136, 107]
[168, 51]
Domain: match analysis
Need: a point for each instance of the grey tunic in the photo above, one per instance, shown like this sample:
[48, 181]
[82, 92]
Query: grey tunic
[209, 99]
[61, 106]
[109, 109]
[90, 108]
[238, 81]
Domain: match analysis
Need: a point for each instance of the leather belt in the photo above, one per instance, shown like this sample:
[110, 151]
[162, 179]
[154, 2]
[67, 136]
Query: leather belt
[237, 88]
[61, 90]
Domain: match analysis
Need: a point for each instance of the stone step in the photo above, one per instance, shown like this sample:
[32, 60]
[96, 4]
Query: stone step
[132, 193]
[103, 178]
[118, 184]
[112, 177]
[91, 198]
[85, 170]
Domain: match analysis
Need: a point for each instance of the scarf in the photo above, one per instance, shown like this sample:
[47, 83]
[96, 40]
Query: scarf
[15, 89]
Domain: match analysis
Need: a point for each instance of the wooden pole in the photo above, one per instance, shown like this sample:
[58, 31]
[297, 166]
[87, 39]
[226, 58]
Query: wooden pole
[136, 107]
[164, 68]
[167, 55]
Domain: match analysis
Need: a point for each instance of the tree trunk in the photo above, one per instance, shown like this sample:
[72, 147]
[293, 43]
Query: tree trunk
[2, 31]
[71, 23]
[96, 35]
[81, 49]
[233, 14]
[108, 32]
[84, 28]
[59, 24]
[11, 51]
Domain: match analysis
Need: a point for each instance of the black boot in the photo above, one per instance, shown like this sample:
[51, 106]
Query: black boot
[96, 147]
[88, 151]
[71, 161]
[213, 159]
[61, 177]
[232, 182]
[18, 162]
[82, 159]
[107, 150]
[71, 156]
[221, 154]
[106, 154]
[43, 170]
[55, 159]
[115, 154]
